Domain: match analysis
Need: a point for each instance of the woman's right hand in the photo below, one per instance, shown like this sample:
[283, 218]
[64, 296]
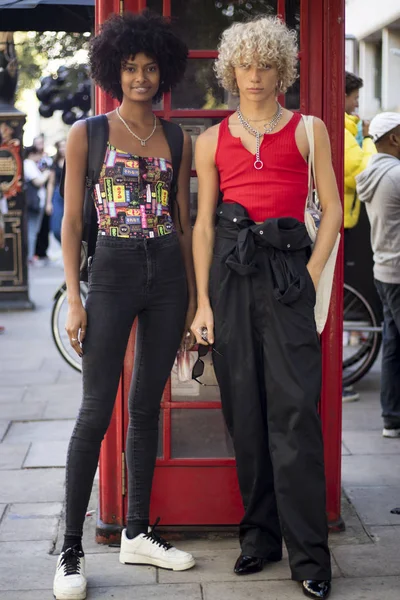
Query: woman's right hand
[76, 326]
[204, 319]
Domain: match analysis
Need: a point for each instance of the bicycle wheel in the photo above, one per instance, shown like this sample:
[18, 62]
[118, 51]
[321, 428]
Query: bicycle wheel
[58, 320]
[362, 336]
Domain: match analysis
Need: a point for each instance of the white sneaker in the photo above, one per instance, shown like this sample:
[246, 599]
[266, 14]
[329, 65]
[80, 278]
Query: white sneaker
[151, 549]
[69, 580]
[391, 433]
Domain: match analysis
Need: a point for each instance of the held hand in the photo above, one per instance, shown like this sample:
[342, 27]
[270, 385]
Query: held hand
[315, 277]
[76, 327]
[49, 209]
[365, 128]
[188, 339]
[204, 323]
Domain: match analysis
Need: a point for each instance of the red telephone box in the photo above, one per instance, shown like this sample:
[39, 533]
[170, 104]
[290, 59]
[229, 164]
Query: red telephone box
[195, 479]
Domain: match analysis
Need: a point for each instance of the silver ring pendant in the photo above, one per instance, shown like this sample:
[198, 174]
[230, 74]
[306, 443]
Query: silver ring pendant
[258, 164]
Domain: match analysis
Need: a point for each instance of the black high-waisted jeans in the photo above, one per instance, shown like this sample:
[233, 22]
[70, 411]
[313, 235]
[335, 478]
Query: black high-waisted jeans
[128, 278]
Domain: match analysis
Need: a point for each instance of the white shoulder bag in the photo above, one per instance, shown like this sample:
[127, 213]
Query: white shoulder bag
[312, 219]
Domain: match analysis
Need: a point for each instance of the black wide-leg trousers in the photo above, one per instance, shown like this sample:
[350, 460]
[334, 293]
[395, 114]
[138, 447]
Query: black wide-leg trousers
[268, 367]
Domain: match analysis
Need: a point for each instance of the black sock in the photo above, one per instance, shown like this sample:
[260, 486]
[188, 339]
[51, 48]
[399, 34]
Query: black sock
[134, 529]
[72, 540]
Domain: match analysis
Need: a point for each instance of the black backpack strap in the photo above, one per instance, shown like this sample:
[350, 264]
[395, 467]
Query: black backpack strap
[174, 135]
[97, 136]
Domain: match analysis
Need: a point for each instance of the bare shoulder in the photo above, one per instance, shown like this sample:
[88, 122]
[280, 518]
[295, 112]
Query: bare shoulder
[319, 126]
[78, 133]
[207, 141]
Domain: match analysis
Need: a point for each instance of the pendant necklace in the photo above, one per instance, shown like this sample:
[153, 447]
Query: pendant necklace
[268, 128]
[143, 142]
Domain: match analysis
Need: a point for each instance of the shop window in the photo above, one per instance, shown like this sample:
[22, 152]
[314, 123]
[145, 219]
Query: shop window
[200, 22]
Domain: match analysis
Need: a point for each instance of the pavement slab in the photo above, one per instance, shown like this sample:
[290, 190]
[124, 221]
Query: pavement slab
[371, 588]
[370, 442]
[30, 522]
[52, 392]
[28, 377]
[12, 456]
[46, 454]
[371, 470]
[2, 510]
[373, 504]
[365, 560]
[20, 411]
[37, 485]
[136, 592]
[40, 431]
[4, 426]
[11, 394]
[388, 535]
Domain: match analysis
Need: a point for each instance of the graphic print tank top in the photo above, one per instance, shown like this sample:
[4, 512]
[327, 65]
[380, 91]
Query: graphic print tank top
[132, 196]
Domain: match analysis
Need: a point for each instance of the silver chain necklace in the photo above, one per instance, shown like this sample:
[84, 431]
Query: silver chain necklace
[143, 142]
[268, 128]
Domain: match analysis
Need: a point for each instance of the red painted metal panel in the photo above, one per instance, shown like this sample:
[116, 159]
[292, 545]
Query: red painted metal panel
[331, 404]
[196, 496]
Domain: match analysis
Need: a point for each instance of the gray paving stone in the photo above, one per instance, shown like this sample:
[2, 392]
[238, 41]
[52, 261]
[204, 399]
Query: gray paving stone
[53, 392]
[19, 411]
[10, 365]
[46, 454]
[69, 377]
[40, 431]
[63, 408]
[345, 450]
[136, 592]
[2, 509]
[105, 570]
[12, 456]
[29, 525]
[388, 535]
[366, 415]
[370, 588]
[11, 394]
[373, 504]
[367, 559]
[370, 442]
[29, 377]
[26, 566]
[4, 425]
[370, 470]
[36, 485]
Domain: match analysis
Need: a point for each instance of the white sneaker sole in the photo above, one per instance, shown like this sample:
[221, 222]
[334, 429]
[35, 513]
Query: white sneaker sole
[77, 594]
[128, 558]
[391, 433]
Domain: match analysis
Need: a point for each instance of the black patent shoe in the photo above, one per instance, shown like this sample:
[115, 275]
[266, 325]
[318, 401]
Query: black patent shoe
[316, 589]
[249, 564]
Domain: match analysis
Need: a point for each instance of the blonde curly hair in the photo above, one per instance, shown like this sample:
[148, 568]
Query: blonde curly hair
[266, 38]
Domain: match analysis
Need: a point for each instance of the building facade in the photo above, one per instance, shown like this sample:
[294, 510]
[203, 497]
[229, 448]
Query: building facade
[375, 26]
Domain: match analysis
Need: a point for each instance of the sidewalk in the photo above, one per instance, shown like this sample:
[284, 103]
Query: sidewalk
[39, 400]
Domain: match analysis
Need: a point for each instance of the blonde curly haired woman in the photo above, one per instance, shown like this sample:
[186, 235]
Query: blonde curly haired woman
[256, 296]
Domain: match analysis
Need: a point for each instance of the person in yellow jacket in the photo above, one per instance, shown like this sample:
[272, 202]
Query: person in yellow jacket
[356, 157]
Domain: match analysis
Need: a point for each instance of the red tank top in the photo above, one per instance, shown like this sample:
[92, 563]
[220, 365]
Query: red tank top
[279, 189]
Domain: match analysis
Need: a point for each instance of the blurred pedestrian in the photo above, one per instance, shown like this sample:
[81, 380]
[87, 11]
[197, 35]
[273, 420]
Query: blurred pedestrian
[55, 202]
[379, 187]
[35, 191]
[357, 153]
[42, 240]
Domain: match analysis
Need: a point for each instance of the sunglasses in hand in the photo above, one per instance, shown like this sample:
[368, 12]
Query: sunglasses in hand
[198, 367]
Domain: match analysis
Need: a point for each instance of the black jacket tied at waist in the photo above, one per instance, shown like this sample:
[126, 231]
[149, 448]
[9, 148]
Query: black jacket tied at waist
[281, 238]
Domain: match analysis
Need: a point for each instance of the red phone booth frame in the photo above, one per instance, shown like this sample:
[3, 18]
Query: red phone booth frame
[205, 491]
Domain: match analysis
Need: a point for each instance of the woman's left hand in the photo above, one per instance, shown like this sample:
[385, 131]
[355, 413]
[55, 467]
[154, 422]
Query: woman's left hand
[188, 341]
[49, 209]
[315, 277]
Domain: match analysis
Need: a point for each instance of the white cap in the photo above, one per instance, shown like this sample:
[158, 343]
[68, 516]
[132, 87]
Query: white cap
[382, 124]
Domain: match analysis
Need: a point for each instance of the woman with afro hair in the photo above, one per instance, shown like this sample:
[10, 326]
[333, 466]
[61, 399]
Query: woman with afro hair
[142, 268]
[256, 296]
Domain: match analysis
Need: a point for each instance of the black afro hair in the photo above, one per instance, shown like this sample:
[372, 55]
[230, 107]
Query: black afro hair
[127, 35]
